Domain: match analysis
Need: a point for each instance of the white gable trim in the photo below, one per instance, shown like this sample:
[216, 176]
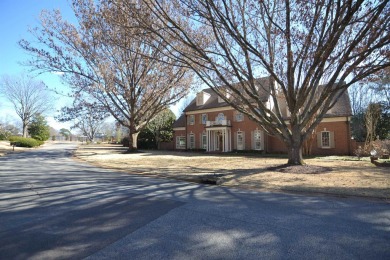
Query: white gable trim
[336, 119]
[209, 110]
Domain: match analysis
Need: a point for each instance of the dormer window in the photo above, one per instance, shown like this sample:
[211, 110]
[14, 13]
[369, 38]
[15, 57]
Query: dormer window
[226, 93]
[201, 98]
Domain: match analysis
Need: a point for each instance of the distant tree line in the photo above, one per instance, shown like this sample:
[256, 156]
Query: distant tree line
[370, 101]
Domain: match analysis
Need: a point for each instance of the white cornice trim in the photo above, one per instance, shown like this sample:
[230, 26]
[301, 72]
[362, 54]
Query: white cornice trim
[335, 119]
[209, 110]
[331, 119]
[324, 120]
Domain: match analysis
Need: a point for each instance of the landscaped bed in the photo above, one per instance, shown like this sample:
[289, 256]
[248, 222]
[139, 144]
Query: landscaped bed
[345, 176]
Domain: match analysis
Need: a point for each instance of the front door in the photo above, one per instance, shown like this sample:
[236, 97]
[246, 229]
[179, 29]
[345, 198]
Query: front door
[220, 143]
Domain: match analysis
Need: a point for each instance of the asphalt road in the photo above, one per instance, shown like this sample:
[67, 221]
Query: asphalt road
[52, 207]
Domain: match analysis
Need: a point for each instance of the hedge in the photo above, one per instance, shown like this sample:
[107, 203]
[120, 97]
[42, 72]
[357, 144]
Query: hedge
[24, 142]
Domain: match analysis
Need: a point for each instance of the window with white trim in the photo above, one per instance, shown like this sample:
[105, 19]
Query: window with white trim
[191, 119]
[220, 117]
[192, 141]
[180, 142]
[239, 117]
[325, 139]
[204, 141]
[204, 119]
[257, 139]
[240, 140]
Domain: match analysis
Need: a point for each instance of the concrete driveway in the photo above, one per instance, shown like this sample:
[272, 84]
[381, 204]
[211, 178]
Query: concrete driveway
[52, 207]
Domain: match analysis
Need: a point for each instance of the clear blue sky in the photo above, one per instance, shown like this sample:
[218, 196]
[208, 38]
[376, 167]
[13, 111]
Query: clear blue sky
[16, 17]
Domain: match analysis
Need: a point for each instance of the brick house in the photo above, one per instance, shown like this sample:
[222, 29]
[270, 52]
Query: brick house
[209, 123]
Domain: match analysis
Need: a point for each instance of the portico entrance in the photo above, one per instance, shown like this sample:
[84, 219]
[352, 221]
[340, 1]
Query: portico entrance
[219, 139]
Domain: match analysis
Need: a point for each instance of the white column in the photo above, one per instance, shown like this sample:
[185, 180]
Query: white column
[227, 140]
[230, 139]
[208, 140]
[214, 140]
[224, 140]
[211, 141]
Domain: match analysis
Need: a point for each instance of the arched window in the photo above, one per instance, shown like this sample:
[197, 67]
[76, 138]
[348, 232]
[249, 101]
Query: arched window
[220, 118]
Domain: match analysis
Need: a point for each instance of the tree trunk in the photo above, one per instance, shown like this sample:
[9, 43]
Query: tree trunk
[133, 137]
[25, 133]
[308, 143]
[157, 141]
[295, 155]
[295, 148]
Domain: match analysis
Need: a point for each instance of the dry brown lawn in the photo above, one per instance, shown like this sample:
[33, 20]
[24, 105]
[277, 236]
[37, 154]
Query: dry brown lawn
[5, 148]
[345, 178]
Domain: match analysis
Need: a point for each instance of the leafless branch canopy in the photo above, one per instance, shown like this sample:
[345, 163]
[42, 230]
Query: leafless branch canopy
[312, 50]
[106, 56]
[28, 96]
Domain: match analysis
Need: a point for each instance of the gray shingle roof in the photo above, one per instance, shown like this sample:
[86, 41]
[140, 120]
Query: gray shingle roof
[212, 102]
[341, 108]
[180, 122]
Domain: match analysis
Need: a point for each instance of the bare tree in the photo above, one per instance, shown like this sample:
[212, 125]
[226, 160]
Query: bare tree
[364, 95]
[371, 117]
[312, 51]
[28, 96]
[361, 95]
[7, 129]
[86, 116]
[381, 87]
[108, 57]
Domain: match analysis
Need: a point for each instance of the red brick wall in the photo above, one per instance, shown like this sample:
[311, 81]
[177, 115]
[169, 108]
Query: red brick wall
[168, 146]
[246, 125]
[272, 144]
[342, 139]
[275, 145]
